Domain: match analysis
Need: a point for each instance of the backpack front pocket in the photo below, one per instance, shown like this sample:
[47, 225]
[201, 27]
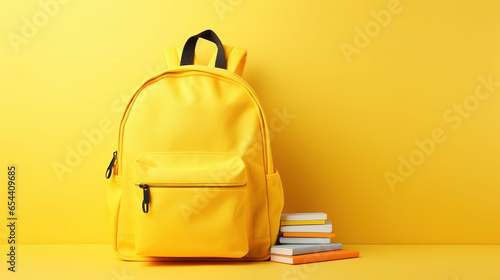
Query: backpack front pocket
[192, 204]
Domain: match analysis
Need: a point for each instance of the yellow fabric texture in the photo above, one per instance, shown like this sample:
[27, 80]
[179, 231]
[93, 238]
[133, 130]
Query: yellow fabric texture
[197, 137]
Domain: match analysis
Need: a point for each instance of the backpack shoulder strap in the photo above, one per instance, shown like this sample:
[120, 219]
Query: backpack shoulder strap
[172, 57]
[235, 58]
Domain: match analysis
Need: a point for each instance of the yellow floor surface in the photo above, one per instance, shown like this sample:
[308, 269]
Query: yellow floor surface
[441, 262]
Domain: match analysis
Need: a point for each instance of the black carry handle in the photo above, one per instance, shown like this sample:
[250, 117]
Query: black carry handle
[188, 51]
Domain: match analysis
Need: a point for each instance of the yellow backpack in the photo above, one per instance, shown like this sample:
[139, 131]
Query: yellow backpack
[193, 177]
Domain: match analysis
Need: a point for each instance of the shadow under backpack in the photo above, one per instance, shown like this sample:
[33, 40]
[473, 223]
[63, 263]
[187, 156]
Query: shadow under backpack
[193, 178]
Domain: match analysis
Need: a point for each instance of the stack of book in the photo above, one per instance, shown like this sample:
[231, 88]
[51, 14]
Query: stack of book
[306, 238]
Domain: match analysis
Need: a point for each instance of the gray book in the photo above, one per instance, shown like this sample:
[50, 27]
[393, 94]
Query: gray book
[300, 249]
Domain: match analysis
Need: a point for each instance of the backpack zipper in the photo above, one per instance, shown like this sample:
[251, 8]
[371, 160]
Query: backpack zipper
[146, 198]
[111, 165]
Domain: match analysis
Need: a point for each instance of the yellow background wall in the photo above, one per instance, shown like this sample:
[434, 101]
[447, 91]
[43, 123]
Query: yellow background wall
[349, 96]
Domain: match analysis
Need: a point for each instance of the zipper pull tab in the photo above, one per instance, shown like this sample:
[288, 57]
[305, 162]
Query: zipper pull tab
[111, 165]
[145, 201]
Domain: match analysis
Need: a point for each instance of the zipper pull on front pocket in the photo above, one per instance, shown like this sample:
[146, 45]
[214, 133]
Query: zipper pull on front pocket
[145, 200]
[111, 165]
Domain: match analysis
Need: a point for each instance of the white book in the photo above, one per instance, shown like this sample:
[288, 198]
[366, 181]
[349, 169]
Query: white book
[300, 249]
[327, 227]
[304, 240]
[281, 259]
[303, 216]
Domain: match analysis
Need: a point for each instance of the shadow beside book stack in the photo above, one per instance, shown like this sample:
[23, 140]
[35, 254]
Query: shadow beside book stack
[306, 238]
